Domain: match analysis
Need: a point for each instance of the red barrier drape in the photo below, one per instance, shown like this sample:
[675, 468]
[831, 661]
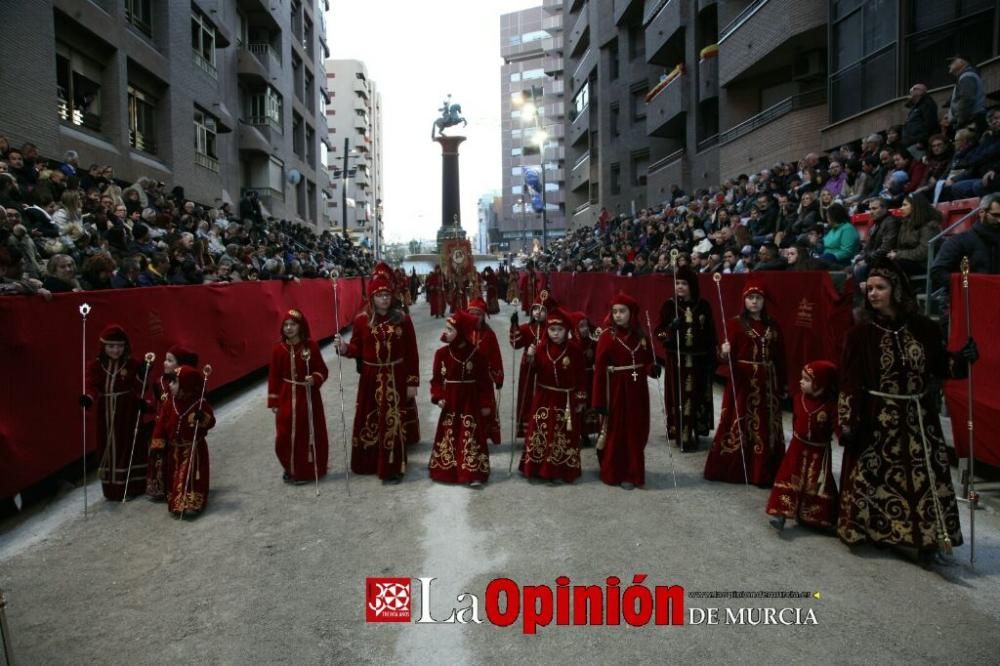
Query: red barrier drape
[984, 291]
[814, 317]
[232, 327]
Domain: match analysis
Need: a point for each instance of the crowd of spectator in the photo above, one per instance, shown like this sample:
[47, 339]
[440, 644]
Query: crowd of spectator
[64, 228]
[798, 215]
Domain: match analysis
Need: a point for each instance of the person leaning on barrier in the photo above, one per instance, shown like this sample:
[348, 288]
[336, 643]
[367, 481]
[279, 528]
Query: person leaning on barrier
[981, 245]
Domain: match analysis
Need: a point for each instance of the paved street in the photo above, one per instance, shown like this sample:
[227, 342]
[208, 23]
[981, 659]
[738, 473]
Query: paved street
[271, 574]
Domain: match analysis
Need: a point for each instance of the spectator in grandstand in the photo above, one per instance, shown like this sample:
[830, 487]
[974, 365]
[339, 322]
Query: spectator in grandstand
[968, 100]
[919, 223]
[921, 120]
[841, 241]
[61, 275]
[156, 271]
[981, 245]
[981, 164]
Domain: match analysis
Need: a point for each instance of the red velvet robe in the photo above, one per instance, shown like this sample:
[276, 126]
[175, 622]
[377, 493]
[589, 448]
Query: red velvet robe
[590, 421]
[156, 463]
[624, 394]
[435, 293]
[492, 300]
[287, 391]
[486, 342]
[175, 434]
[114, 387]
[389, 365]
[698, 358]
[886, 494]
[523, 337]
[758, 361]
[529, 286]
[552, 441]
[461, 378]
[805, 488]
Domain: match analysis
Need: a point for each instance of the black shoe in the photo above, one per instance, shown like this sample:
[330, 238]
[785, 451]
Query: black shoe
[393, 481]
[778, 523]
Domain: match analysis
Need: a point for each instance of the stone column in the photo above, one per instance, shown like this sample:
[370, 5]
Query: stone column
[451, 201]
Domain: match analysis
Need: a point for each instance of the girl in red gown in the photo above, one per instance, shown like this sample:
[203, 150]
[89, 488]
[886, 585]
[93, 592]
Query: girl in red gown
[521, 337]
[552, 442]
[293, 393]
[114, 383]
[156, 469]
[804, 488]
[582, 336]
[434, 286]
[187, 457]
[758, 363]
[461, 387]
[624, 359]
[485, 340]
[384, 341]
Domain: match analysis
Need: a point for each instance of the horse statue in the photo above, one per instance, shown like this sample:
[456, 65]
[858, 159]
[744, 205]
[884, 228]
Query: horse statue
[451, 115]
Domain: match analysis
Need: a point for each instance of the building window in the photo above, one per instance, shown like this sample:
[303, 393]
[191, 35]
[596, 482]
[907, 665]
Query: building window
[614, 115]
[515, 151]
[636, 42]
[515, 76]
[266, 109]
[936, 30]
[638, 103]
[862, 54]
[140, 14]
[298, 136]
[243, 38]
[77, 88]
[516, 171]
[204, 141]
[276, 175]
[516, 189]
[640, 167]
[581, 100]
[613, 60]
[203, 43]
[532, 74]
[141, 120]
[616, 179]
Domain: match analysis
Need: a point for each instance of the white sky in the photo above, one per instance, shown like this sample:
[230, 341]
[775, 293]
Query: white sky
[417, 53]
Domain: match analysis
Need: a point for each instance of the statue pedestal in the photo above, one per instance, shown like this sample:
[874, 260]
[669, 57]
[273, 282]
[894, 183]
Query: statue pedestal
[451, 213]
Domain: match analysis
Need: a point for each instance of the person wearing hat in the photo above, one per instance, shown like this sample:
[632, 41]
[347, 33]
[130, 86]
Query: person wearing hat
[491, 283]
[756, 354]
[461, 387]
[521, 337]
[114, 385]
[687, 319]
[485, 340]
[386, 346]
[187, 468]
[434, 286]
[293, 393]
[581, 335]
[896, 487]
[552, 440]
[624, 358]
[968, 99]
[804, 488]
[530, 285]
[156, 464]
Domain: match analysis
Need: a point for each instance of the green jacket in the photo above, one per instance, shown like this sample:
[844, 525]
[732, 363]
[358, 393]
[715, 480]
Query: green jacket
[842, 242]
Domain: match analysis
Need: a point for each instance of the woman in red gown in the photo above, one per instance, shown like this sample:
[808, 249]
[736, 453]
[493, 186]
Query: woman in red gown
[157, 472]
[552, 442]
[293, 393]
[114, 383]
[461, 387]
[384, 341]
[434, 286]
[485, 340]
[624, 359]
[804, 488]
[753, 424]
[182, 435]
[490, 283]
[521, 337]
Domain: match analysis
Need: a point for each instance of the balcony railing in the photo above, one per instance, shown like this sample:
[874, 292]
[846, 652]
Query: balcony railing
[205, 65]
[708, 142]
[206, 161]
[785, 106]
[78, 117]
[266, 194]
[664, 162]
[266, 122]
[740, 19]
[652, 10]
[266, 54]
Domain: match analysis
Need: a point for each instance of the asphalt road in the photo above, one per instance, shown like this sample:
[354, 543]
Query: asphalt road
[272, 574]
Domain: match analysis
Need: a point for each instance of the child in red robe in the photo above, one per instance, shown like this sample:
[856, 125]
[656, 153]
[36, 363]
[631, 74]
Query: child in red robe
[521, 337]
[461, 387]
[552, 441]
[804, 488]
[582, 336]
[156, 470]
[296, 374]
[485, 340]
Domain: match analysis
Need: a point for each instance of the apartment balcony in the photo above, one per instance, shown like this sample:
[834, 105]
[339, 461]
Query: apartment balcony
[552, 65]
[553, 46]
[579, 177]
[556, 110]
[588, 61]
[267, 195]
[252, 140]
[360, 122]
[708, 78]
[624, 7]
[558, 87]
[552, 24]
[580, 29]
[250, 67]
[663, 19]
[769, 31]
[551, 6]
[579, 127]
[554, 153]
[670, 170]
[663, 112]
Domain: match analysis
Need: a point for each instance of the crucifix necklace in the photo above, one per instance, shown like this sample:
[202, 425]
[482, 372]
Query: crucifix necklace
[632, 351]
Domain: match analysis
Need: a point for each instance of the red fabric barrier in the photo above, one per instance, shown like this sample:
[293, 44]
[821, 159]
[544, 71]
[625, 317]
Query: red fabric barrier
[984, 291]
[232, 327]
[814, 317]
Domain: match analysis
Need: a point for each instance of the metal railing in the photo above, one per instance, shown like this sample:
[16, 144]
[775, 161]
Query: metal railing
[784, 107]
[205, 65]
[582, 207]
[931, 251]
[708, 142]
[79, 118]
[265, 53]
[654, 12]
[740, 19]
[664, 162]
[266, 193]
[206, 161]
[584, 158]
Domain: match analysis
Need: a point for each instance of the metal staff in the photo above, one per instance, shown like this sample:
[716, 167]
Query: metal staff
[663, 405]
[717, 277]
[306, 355]
[677, 340]
[340, 372]
[150, 357]
[513, 396]
[6, 649]
[84, 311]
[970, 479]
[192, 457]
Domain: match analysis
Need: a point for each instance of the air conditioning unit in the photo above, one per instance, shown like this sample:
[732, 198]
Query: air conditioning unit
[810, 65]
